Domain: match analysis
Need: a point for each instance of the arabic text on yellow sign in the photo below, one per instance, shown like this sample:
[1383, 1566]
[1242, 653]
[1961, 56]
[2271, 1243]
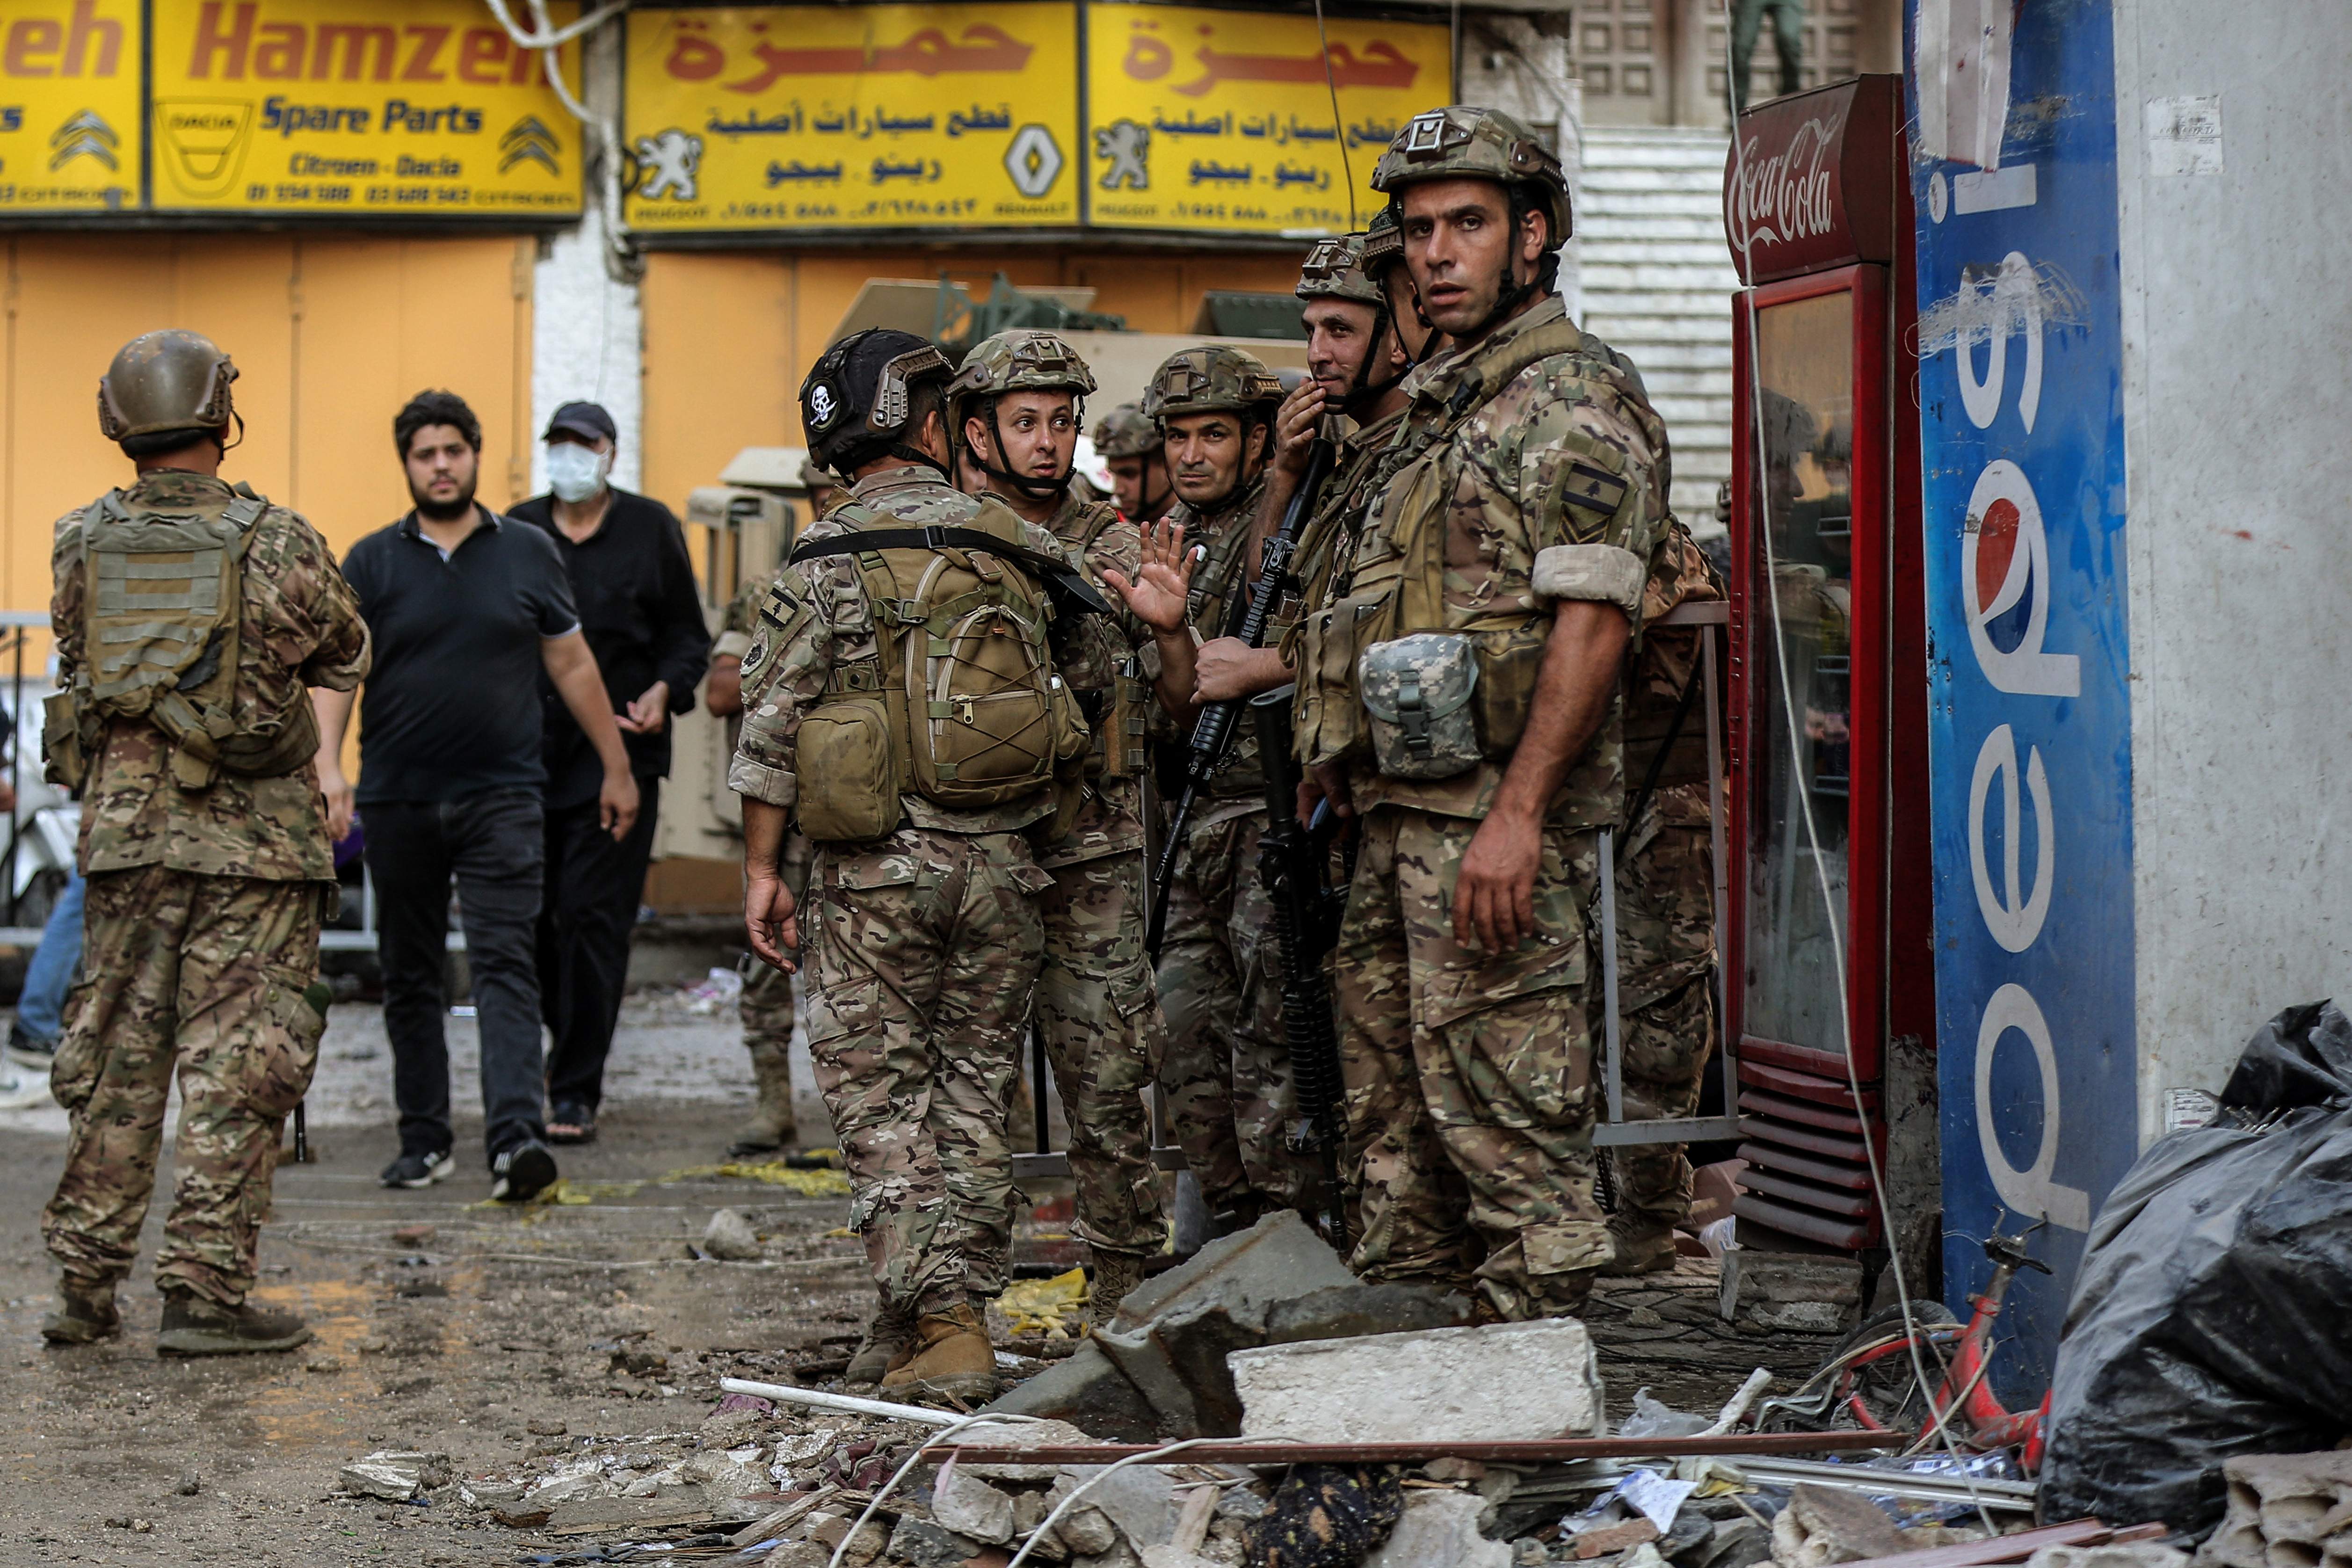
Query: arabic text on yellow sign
[68, 105]
[855, 117]
[1222, 120]
[403, 107]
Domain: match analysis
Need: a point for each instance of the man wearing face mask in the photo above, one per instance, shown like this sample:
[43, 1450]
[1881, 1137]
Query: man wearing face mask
[639, 607]
[466, 608]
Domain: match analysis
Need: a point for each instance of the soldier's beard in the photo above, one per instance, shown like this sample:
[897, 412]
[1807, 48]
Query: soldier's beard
[449, 510]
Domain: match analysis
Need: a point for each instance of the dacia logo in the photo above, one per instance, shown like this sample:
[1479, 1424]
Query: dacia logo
[822, 407]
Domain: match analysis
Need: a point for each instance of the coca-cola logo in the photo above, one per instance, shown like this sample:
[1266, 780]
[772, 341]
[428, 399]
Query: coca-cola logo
[1786, 197]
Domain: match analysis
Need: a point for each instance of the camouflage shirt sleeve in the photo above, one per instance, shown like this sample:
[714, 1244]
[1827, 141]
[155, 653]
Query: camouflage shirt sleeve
[734, 638]
[1585, 471]
[307, 614]
[66, 597]
[794, 643]
[1087, 648]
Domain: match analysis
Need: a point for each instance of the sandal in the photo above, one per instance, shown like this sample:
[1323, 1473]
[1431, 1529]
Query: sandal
[571, 1124]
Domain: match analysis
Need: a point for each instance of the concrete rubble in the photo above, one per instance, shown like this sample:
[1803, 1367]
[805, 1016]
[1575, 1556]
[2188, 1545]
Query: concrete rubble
[2286, 1510]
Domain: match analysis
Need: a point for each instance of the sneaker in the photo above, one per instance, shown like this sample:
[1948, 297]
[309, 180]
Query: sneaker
[194, 1325]
[418, 1170]
[520, 1173]
[85, 1314]
[29, 1051]
[889, 1344]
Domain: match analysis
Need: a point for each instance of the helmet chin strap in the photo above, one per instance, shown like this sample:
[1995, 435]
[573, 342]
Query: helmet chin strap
[917, 454]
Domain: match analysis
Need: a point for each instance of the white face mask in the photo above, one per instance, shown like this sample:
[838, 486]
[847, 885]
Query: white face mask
[573, 473]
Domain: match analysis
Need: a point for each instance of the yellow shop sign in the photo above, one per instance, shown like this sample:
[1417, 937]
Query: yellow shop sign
[69, 123]
[420, 108]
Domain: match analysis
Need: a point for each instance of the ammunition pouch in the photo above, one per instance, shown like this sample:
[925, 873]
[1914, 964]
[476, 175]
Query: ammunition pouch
[854, 794]
[65, 750]
[1417, 691]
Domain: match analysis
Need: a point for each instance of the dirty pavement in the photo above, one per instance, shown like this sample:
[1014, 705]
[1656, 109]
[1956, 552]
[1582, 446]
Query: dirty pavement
[647, 1368]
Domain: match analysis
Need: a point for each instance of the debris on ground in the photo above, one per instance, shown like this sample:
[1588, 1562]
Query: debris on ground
[1054, 1307]
[2283, 1509]
[393, 1476]
[731, 1238]
[1494, 1382]
[2208, 1321]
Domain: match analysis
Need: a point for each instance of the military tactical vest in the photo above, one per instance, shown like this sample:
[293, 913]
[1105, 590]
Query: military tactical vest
[957, 702]
[1395, 588]
[163, 603]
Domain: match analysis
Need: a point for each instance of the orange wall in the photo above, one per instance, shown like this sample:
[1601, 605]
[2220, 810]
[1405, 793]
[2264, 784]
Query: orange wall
[331, 334]
[730, 334]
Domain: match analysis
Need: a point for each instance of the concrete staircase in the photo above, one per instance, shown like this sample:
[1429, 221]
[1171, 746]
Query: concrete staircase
[1657, 282]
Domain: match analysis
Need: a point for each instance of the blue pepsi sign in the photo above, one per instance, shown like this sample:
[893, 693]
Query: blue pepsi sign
[2022, 444]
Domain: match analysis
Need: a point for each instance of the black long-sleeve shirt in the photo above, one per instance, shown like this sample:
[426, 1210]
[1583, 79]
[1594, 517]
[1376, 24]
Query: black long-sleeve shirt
[642, 613]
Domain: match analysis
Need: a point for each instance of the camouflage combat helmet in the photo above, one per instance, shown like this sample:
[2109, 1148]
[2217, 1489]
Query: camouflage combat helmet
[1463, 143]
[167, 380]
[1211, 378]
[1124, 432]
[1334, 269]
[1022, 359]
[1383, 245]
[857, 399]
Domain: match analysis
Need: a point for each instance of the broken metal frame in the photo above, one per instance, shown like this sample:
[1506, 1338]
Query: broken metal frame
[1711, 620]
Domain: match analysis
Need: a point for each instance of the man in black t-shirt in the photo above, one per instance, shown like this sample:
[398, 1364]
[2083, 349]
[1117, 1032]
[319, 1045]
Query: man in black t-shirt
[465, 610]
[642, 613]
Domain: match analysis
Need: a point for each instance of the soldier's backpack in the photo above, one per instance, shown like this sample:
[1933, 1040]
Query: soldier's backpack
[958, 703]
[163, 597]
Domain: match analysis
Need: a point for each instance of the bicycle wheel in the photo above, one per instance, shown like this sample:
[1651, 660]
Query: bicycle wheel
[1873, 1376]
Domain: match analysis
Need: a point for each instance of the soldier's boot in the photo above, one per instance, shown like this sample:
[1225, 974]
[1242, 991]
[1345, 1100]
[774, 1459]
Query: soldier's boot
[86, 1313]
[1116, 1274]
[889, 1344]
[953, 1359]
[1638, 1243]
[770, 1127]
[194, 1325]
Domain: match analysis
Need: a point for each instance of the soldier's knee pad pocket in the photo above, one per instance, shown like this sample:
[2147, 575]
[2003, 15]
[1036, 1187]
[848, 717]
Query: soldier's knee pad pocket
[73, 1075]
[1565, 1245]
[282, 1053]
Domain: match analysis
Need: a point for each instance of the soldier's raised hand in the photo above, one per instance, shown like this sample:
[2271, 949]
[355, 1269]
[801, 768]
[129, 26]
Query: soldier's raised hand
[1294, 427]
[1159, 592]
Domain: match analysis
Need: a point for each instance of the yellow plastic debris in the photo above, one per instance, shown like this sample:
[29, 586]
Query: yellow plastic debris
[1048, 1307]
[825, 1183]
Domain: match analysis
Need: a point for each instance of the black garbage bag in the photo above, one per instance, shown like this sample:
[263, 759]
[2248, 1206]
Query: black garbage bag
[2213, 1317]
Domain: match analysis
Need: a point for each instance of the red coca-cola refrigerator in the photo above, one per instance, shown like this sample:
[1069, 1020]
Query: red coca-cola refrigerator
[1829, 991]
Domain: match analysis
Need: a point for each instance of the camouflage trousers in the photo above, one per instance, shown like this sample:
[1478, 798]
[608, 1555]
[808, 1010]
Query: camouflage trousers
[1100, 1017]
[1666, 988]
[921, 949]
[765, 1008]
[1469, 1078]
[204, 975]
[1226, 1070]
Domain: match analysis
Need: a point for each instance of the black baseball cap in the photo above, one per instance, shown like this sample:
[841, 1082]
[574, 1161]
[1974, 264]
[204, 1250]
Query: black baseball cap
[586, 420]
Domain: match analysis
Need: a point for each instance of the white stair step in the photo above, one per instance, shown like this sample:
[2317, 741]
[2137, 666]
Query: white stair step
[1632, 333]
[1681, 304]
[1602, 247]
[1706, 182]
[1654, 204]
[1657, 154]
[1618, 276]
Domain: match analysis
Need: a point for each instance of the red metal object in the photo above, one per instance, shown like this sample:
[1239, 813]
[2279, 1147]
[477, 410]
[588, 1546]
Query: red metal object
[1822, 174]
[1548, 1450]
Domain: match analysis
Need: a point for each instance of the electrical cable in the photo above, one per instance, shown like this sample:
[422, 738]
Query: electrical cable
[1339, 130]
[979, 1418]
[1803, 792]
[544, 38]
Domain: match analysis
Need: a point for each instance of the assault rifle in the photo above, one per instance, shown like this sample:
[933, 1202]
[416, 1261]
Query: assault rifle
[1293, 862]
[1214, 730]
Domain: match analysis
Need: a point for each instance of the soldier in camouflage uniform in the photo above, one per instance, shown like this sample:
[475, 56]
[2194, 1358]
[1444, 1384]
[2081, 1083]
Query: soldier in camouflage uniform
[1226, 1073]
[1015, 406]
[765, 1005]
[1513, 536]
[203, 837]
[1129, 445]
[924, 940]
[1665, 910]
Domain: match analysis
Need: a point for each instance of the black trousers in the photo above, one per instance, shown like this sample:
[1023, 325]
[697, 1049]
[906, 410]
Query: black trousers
[594, 888]
[492, 845]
